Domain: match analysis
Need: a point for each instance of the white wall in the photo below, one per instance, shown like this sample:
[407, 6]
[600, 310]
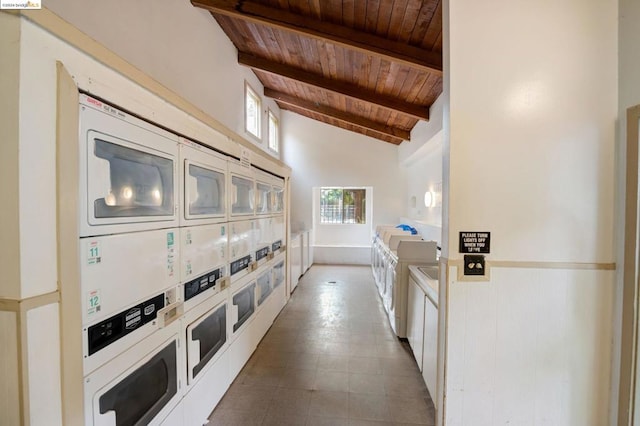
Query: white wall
[529, 156]
[421, 158]
[323, 155]
[180, 46]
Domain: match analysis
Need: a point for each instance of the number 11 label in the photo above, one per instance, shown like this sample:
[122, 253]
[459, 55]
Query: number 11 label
[93, 253]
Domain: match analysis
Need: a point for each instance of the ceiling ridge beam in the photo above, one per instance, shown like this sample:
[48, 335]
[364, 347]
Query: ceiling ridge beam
[350, 38]
[339, 115]
[340, 87]
[360, 130]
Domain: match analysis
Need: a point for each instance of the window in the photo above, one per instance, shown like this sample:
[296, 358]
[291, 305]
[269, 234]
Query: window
[273, 133]
[252, 108]
[343, 205]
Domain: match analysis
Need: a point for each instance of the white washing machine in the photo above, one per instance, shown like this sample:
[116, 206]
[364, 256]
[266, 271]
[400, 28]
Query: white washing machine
[203, 195]
[124, 280]
[263, 239]
[242, 235]
[277, 190]
[140, 386]
[241, 191]
[204, 261]
[264, 285]
[415, 252]
[277, 234]
[205, 328]
[242, 304]
[264, 199]
[128, 172]
[279, 295]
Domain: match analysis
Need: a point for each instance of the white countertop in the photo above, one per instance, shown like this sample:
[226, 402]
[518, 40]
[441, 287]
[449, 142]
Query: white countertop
[427, 279]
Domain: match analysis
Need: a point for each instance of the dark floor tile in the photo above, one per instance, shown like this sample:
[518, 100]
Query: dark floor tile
[368, 406]
[237, 418]
[406, 410]
[336, 381]
[327, 421]
[329, 404]
[298, 379]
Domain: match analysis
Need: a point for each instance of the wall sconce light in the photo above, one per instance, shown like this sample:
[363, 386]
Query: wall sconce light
[428, 199]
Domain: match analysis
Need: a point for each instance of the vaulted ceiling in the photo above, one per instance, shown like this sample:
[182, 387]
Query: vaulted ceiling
[369, 66]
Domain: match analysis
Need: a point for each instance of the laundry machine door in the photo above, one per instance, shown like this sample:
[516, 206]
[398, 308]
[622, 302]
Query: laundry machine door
[242, 196]
[206, 336]
[278, 198]
[264, 287]
[278, 274]
[128, 172]
[244, 305]
[139, 387]
[204, 192]
[263, 198]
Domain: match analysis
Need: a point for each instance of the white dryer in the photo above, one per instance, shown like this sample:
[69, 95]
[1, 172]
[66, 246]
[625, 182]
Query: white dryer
[208, 377]
[128, 172]
[263, 193]
[140, 386]
[277, 195]
[242, 235]
[277, 234]
[263, 240]
[204, 261]
[124, 280]
[204, 189]
[242, 189]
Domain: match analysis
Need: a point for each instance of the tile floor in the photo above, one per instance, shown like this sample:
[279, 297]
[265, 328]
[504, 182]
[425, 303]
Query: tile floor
[330, 358]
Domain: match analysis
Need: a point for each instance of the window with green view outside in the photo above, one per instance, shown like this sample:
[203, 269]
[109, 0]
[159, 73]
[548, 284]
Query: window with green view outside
[343, 205]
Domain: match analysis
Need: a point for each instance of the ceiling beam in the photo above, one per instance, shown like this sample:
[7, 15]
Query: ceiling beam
[343, 88]
[340, 35]
[345, 117]
[346, 126]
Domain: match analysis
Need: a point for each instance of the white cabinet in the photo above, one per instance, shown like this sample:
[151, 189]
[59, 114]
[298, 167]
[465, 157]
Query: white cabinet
[416, 320]
[422, 323]
[430, 348]
[305, 251]
[296, 260]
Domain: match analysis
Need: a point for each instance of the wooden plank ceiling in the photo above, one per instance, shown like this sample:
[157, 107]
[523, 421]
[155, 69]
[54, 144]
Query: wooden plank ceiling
[369, 66]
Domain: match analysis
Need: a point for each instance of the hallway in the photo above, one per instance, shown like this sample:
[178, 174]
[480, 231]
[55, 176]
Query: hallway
[330, 358]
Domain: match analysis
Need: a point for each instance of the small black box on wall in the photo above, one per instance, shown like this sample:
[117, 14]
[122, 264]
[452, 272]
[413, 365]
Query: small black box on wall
[474, 264]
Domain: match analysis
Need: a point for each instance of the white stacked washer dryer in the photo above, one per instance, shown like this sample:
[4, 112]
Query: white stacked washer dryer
[129, 271]
[204, 278]
[182, 269]
[242, 220]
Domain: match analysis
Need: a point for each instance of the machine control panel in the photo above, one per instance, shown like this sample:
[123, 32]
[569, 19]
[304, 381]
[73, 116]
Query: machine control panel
[262, 253]
[240, 264]
[202, 283]
[108, 331]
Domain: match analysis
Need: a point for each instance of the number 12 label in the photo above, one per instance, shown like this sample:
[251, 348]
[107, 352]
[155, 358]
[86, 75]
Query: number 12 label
[93, 302]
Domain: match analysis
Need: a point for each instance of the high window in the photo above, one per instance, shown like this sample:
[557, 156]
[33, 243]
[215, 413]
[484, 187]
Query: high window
[343, 205]
[274, 144]
[252, 108]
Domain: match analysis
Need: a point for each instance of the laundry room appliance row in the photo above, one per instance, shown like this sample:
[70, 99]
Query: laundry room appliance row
[181, 270]
[392, 251]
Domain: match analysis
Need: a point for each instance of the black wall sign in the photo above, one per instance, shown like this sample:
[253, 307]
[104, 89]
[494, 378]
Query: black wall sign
[475, 242]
